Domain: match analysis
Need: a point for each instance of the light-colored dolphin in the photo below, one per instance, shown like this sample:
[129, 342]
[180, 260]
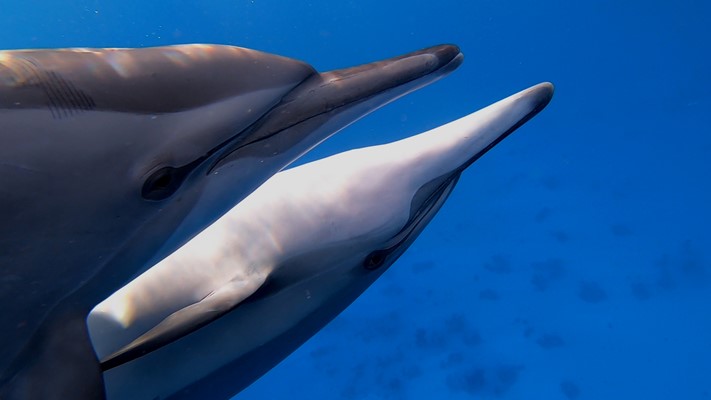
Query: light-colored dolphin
[112, 158]
[281, 264]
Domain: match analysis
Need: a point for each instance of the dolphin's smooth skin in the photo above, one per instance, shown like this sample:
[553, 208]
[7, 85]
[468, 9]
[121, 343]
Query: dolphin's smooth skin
[113, 158]
[285, 261]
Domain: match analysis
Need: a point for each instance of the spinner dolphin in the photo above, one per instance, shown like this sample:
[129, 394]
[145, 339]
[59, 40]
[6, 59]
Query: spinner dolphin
[112, 158]
[222, 310]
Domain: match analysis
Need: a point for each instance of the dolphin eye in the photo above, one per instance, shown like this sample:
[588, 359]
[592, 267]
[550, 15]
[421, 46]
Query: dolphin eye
[161, 184]
[375, 259]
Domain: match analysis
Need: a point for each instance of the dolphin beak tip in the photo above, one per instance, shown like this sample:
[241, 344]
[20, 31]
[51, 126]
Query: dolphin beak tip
[539, 95]
[449, 56]
[545, 92]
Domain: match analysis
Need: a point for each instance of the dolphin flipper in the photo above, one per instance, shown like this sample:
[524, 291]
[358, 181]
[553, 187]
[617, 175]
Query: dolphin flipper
[187, 320]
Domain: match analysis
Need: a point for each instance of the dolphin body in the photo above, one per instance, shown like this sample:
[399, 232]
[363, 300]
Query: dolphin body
[112, 158]
[281, 264]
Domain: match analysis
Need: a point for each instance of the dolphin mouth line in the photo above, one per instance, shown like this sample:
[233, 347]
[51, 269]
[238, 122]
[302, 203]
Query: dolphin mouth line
[437, 197]
[165, 181]
[431, 205]
[453, 62]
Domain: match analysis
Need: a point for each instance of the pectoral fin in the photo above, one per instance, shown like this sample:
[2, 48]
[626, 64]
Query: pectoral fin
[185, 321]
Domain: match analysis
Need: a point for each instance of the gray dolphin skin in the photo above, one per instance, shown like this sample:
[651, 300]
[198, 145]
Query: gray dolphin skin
[113, 158]
[211, 318]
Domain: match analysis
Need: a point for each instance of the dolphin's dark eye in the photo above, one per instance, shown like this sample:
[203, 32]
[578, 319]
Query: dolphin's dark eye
[375, 259]
[161, 184]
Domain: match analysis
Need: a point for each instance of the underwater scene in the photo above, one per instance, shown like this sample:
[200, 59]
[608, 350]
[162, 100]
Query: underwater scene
[571, 261]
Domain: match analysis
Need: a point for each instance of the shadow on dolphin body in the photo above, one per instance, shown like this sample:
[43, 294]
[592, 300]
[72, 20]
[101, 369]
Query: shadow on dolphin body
[225, 308]
[112, 158]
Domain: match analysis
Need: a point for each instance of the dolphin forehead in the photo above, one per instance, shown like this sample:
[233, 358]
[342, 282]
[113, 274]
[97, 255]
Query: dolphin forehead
[81, 128]
[145, 80]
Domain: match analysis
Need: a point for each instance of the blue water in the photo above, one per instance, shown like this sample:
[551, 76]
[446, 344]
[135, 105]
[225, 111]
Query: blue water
[572, 261]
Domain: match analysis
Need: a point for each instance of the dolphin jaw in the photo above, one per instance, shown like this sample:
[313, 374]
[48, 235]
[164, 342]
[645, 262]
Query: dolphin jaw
[454, 146]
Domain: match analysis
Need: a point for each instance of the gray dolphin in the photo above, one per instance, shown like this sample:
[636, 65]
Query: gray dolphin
[281, 264]
[112, 158]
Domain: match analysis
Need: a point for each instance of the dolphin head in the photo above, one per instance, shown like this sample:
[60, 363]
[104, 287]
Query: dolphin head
[421, 171]
[384, 196]
[326, 230]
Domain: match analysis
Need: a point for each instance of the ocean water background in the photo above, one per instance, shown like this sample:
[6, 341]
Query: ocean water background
[572, 261]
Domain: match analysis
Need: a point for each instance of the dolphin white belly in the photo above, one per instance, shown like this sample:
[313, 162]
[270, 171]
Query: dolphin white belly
[286, 260]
